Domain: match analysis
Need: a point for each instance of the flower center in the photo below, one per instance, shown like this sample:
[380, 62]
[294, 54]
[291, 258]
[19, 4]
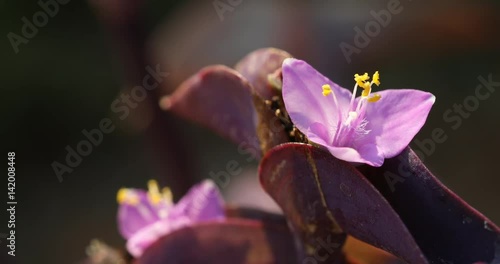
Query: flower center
[155, 196]
[352, 125]
[162, 201]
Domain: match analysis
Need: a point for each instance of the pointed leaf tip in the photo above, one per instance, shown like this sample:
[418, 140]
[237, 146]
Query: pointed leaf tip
[218, 98]
[258, 65]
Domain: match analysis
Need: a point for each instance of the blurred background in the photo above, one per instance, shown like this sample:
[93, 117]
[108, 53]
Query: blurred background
[64, 79]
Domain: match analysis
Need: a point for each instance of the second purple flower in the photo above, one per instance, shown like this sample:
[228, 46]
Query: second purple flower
[144, 217]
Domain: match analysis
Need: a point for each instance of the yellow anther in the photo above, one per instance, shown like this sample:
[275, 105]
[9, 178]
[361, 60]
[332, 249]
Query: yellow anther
[376, 78]
[366, 86]
[360, 79]
[154, 192]
[121, 196]
[365, 93]
[326, 89]
[127, 196]
[167, 195]
[374, 98]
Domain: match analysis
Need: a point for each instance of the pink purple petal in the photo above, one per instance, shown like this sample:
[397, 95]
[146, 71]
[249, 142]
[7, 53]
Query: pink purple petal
[142, 239]
[396, 118]
[132, 218]
[304, 101]
[202, 202]
[368, 154]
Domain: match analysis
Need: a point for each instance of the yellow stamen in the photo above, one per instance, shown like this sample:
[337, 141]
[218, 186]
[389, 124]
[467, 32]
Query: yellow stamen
[326, 90]
[127, 196]
[374, 98]
[360, 79]
[154, 192]
[121, 196]
[376, 78]
[167, 195]
[366, 85]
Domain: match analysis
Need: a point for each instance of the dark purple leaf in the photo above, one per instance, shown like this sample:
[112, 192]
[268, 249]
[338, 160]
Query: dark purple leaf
[254, 214]
[219, 98]
[222, 100]
[321, 196]
[256, 67]
[447, 229]
[232, 241]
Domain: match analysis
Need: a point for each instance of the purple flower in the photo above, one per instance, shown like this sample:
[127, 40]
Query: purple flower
[366, 129]
[143, 217]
